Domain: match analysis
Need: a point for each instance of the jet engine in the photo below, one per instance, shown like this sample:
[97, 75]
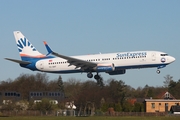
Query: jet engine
[104, 67]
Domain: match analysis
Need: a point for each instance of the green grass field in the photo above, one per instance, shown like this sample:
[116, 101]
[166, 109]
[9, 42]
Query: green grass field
[90, 118]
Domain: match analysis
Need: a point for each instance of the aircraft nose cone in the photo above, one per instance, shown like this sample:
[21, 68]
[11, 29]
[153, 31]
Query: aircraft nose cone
[172, 59]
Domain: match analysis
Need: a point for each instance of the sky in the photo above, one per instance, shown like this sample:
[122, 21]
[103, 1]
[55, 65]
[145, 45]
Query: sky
[81, 27]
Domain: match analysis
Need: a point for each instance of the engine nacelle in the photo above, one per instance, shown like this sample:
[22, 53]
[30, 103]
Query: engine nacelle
[117, 72]
[104, 67]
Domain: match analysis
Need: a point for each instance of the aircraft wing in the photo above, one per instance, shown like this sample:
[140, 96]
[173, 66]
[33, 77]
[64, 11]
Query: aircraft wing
[18, 61]
[84, 65]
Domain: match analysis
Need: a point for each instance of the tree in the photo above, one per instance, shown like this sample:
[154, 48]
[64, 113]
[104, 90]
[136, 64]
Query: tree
[8, 105]
[138, 107]
[89, 93]
[167, 80]
[21, 105]
[118, 92]
[173, 88]
[72, 89]
[150, 92]
[60, 84]
[45, 105]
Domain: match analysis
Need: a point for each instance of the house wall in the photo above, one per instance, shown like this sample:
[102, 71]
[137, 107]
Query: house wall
[159, 106]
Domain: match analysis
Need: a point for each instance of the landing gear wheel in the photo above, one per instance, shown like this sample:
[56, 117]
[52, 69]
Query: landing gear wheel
[89, 75]
[158, 71]
[96, 77]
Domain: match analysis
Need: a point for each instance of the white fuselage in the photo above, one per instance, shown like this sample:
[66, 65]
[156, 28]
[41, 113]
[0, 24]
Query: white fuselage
[121, 60]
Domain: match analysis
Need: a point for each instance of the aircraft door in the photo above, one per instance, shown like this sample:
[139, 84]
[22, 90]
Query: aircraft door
[41, 65]
[153, 56]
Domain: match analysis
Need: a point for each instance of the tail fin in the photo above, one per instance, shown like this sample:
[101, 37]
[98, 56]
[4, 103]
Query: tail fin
[26, 49]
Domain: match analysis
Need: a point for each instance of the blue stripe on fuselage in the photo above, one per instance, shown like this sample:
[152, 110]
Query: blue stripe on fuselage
[33, 61]
[140, 66]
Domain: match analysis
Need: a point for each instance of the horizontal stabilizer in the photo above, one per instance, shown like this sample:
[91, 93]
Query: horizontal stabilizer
[18, 61]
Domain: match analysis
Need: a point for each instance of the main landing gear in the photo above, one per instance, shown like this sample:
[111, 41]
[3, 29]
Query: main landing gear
[98, 78]
[90, 75]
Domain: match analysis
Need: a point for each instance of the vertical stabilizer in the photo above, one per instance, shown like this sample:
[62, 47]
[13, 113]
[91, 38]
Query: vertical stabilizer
[26, 49]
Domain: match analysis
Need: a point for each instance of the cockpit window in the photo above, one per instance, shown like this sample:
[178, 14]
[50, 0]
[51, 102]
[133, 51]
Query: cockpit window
[164, 54]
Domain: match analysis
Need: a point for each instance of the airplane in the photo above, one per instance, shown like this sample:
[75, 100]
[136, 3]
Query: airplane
[111, 63]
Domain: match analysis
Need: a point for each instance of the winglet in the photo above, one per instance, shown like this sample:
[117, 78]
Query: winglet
[47, 48]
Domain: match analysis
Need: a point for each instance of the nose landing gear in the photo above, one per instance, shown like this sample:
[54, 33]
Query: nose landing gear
[158, 71]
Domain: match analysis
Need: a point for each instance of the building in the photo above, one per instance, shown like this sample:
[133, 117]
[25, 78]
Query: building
[161, 105]
[54, 96]
[9, 97]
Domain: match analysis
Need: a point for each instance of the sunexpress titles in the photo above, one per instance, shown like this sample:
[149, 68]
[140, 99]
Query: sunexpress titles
[131, 54]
